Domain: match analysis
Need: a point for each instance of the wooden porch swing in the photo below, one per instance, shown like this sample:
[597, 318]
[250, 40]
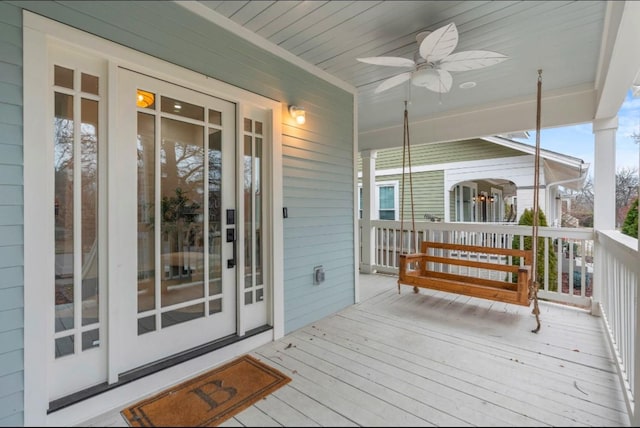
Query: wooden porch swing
[446, 266]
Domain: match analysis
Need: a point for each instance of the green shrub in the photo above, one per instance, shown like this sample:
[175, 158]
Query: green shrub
[527, 220]
[630, 225]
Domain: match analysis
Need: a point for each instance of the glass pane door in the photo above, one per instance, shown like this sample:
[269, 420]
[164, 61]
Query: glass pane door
[181, 147]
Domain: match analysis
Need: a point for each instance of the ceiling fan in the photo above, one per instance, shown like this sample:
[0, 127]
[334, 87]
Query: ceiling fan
[434, 61]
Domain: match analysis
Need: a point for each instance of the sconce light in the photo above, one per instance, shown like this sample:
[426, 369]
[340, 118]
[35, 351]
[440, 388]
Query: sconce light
[492, 198]
[482, 198]
[298, 114]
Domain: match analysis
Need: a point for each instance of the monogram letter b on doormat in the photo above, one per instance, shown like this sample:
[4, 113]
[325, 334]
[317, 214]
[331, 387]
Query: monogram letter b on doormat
[210, 398]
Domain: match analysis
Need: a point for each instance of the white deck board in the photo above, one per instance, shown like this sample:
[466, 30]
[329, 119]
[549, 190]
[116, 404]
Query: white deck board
[435, 358]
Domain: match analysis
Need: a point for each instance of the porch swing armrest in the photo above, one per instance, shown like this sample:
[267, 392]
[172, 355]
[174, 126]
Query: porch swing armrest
[405, 260]
[411, 257]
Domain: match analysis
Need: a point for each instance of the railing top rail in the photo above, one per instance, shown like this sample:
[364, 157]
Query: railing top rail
[622, 246]
[514, 229]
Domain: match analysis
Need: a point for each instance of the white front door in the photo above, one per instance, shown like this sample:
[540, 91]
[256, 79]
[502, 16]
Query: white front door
[176, 218]
[148, 237]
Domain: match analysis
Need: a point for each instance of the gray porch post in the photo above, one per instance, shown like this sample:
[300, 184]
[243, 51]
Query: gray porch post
[367, 238]
[604, 196]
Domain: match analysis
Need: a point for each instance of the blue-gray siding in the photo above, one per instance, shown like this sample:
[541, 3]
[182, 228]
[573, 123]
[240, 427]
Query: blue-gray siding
[11, 218]
[318, 193]
[318, 158]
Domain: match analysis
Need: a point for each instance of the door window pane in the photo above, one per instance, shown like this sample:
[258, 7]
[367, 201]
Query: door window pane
[63, 77]
[248, 212]
[182, 108]
[64, 346]
[182, 211]
[145, 99]
[146, 212]
[63, 211]
[257, 194]
[89, 83]
[215, 212]
[90, 339]
[182, 315]
[89, 203]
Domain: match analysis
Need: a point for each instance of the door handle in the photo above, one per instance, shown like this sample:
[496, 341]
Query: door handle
[231, 237]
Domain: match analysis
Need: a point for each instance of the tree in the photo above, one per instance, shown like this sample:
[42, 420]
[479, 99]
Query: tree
[582, 204]
[630, 226]
[626, 192]
[627, 182]
[527, 220]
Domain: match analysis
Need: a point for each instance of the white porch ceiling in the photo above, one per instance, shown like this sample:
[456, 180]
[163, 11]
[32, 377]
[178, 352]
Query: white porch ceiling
[584, 49]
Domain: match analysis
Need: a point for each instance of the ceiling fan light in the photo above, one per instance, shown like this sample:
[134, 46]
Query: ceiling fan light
[423, 77]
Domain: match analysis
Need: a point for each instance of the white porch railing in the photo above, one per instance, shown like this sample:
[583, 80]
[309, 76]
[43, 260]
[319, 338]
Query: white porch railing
[571, 281]
[618, 298]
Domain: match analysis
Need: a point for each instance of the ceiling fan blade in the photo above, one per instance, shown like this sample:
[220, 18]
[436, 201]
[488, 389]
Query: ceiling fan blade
[392, 61]
[471, 60]
[440, 43]
[393, 81]
[434, 80]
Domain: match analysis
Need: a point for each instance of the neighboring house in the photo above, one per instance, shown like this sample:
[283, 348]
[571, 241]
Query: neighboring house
[124, 128]
[479, 180]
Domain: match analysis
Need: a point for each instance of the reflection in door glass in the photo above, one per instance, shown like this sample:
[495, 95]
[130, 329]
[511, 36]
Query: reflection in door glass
[182, 212]
[146, 214]
[63, 211]
[89, 203]
[253, 227]
[215, 218]
[248, 213]
[257, 162]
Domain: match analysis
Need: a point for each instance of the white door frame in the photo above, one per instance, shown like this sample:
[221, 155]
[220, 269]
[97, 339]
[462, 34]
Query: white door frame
[39, 34]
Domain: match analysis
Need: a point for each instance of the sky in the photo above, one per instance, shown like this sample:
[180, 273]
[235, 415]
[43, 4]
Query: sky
[578, 140]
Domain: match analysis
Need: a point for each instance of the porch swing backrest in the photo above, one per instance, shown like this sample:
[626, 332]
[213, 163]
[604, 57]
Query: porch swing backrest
[471, 270]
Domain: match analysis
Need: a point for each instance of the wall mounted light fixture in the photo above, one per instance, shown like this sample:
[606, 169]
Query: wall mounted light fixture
[298, 114]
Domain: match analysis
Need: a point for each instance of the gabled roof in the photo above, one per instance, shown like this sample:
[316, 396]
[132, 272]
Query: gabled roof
[561, 169]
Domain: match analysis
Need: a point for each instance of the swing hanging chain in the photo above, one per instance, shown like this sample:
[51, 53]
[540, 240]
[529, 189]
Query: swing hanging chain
[413, 216]
[406, 158]
[404, 142]
[536, 189]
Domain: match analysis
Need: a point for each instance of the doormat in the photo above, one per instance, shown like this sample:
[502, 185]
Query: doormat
[210, 398]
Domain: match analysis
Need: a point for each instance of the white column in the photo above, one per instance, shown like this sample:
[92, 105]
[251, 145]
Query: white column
[604, 173]
[369, 213]
[604, 195]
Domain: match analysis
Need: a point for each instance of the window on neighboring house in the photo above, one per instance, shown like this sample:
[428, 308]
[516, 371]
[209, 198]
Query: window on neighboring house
[387, 206]
[386, 200]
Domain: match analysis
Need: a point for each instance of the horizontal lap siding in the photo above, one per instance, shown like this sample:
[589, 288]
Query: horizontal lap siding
[318, 193]
[11, 218]
[317, 158]
[453, 151]
[428, 197]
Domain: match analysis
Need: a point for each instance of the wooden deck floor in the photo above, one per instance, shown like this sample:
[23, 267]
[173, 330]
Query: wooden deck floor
[433, 359]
